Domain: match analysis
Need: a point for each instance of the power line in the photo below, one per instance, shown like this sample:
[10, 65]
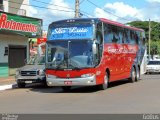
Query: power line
[81, 2]
[108, 11]
[83, 12]
[53, 4]
[41, 7]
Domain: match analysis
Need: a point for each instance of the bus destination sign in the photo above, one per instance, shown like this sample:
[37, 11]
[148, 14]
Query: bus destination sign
[71, 32]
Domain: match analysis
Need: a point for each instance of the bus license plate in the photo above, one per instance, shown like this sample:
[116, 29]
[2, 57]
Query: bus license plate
[68, 82]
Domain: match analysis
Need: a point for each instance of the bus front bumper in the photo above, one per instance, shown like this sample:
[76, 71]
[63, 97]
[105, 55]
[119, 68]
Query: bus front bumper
[87, 81]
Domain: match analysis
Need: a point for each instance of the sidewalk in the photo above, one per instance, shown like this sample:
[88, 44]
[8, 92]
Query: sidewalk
[7, 82]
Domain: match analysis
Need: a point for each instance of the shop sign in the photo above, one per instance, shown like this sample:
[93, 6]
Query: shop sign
[41, 40]
[20, 24]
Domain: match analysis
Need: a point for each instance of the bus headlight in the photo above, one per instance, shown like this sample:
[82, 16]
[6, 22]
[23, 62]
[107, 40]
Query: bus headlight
[87, 75]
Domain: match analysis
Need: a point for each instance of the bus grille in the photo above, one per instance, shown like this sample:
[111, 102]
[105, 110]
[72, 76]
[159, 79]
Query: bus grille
[28, 73]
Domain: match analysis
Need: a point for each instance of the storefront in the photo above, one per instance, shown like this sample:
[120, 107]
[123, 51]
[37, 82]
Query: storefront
[15, 32]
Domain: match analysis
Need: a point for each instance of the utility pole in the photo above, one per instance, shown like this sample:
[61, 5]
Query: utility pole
[76, 8]
[149, 40]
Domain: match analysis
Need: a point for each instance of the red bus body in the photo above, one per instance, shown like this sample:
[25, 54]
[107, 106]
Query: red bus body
[117, 59]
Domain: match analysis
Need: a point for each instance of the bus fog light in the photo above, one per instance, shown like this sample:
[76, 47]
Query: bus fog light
[88, 82]
[50, 83]
[91, 81]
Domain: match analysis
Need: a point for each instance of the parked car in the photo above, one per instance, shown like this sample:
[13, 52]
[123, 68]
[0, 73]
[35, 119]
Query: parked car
[153, 66]
[32, 72]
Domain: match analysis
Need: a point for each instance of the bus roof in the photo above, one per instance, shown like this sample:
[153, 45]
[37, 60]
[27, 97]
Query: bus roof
[120, 24]
[85, 20]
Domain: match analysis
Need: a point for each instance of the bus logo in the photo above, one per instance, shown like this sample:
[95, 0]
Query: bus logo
[68, 75]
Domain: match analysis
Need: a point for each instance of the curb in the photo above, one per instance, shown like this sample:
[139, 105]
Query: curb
[6, 87]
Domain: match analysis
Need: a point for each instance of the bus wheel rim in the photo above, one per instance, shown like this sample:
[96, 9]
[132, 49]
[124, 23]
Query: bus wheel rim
[105, 80]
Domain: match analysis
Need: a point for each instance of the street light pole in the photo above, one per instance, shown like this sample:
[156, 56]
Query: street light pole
[149, 40]
[76, 8]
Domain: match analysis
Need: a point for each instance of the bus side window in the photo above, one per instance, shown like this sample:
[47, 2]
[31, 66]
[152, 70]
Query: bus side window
[126, 36]
[138, 38]
[120, 34]
[117, 35]
[108, 35]
[132, 37]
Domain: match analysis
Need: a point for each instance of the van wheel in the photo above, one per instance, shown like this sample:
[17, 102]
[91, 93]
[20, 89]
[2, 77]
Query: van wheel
[133, 75]
[21, 85]
[105, 84]
[66, 88]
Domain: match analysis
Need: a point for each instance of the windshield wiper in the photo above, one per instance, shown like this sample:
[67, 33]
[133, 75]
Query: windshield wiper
[74, 65]
[61, 63]
[76, 68]
[41, 63]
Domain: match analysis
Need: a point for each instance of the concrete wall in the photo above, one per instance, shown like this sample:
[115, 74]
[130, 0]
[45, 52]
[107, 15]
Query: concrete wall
[25, 7]
[5, 5]
[16, 7]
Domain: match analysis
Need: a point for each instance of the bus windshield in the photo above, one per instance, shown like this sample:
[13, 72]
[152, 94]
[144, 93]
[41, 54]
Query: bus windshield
[66, 54]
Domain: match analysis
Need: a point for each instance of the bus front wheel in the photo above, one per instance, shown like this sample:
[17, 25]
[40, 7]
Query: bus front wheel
[105, 83]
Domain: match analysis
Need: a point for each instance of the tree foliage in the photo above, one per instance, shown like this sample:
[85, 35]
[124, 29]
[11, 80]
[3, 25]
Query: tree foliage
[155, 34]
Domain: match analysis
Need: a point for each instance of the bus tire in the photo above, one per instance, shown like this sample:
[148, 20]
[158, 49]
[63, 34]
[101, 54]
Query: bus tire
[132, 79]
[45, 84]
[66, 88]
[138, 75]
[105, 84]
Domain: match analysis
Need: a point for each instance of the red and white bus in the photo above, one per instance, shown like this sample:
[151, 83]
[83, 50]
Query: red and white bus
[92, 51]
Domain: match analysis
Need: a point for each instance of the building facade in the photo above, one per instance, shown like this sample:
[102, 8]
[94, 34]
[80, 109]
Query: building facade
[19, 7]
[15, 31]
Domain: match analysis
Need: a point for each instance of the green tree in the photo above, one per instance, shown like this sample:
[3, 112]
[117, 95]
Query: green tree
[155, 34]
[155, 47]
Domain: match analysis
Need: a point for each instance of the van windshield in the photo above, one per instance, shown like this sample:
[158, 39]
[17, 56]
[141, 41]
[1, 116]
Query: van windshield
[39, 60]
[154, 63]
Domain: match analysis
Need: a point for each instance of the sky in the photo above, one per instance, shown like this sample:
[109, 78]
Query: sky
[123, 11]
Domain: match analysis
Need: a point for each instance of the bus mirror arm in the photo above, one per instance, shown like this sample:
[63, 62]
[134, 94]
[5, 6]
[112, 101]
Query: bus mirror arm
[94, 47]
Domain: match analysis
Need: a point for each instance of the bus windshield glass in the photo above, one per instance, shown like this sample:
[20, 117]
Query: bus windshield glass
[66, 54]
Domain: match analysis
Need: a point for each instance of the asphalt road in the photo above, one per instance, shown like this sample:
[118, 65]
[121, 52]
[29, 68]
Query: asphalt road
[121, 97]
